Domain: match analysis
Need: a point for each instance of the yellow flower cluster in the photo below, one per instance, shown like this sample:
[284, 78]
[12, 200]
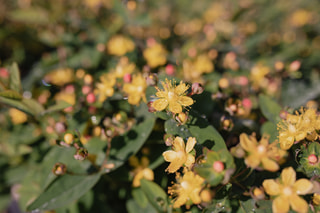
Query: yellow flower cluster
[298, 127]
[60, 77]
[193, 70]
[187, 189]
[260, 155]
[172, 97]
[286, 191]
[136, 89]
[155, 55]
[119, 45]
[104, 88]
[141, 170]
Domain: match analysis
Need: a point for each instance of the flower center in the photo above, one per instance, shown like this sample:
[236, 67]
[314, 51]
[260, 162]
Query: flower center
[287, 191]
[261, 149]
[170, 95]
[185, 184]
[291, 128]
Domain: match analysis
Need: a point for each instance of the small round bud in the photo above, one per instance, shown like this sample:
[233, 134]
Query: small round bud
[205, 195]
[81, 154]
[150, 107]
[127, 78]
[152, 79]
[170, 69]
[197, 88]
[247, 103]
[182, 118]
[88, 79]
[168, 139]
[218, 166]
[223, 83]
[86, 89]
[313, 159]
[4, 73]
[91, 98]
[68, 138]
[258, 193]
[59, 169]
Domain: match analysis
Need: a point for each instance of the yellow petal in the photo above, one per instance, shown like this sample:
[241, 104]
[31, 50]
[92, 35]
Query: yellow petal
[178, 144]
[246, 143]
[180, 89]
[286, 142]
[137, 178]
[175, 165]
[288, 176]
[190, 144]
[134, 99]
[148, 174]
[195, 198]
[302, 186]
[280, 205]
[298, 204]
[190, 160]
[252, 161]
[271, 187]
[160, 104]
[161, 94]
[181, 200]
[175, 107]
[169, 155]
[269, 164]
[185, 100]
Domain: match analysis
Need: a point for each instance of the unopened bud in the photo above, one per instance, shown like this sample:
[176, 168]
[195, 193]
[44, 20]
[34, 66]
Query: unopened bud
[152, 79]
[182, 118]
[68, 138]
[313, 159]
[150, 107]
[127, 78]
[258, 193]
[196, 88]
[218, 166]
[168, 139]
[88, 79]
[81, 154]
[91, 98]
[170, 69]
[59, 169]
[205, 195]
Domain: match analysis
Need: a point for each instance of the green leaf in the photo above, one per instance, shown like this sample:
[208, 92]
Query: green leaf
[30, 15]
[205, 133]
[63, 190]
[155, 194]
[11, 94]
[60, 105]
[133, 207]
[270, 128]
[14, 78]
[128, 144]
[28, 106]
[139, 196]
[270, 109]
[250, 205]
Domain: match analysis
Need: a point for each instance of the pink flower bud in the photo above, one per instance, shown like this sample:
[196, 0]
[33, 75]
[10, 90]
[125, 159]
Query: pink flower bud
[127, 78]
[86, 89]
[196, 88]
[4, 73]
[313, 159]
[218, 166]
[91, 98]
[246, 103]
[170, 69]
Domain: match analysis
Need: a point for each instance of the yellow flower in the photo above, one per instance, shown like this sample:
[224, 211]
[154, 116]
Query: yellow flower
[60, 77]
[297, 127]
[286, 191]
[17, 116]
[105, 89]
[123, 67]
[136, 89]
[119, 45]
[172, 97]
[316, 199]
[141, 170]
[258, 76]
[187, 189]
[179, 155]
[155, 55]
[261, 154]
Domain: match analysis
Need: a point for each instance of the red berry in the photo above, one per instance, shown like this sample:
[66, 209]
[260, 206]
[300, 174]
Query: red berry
[312, 159]
[127, 78]
[91, 98]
